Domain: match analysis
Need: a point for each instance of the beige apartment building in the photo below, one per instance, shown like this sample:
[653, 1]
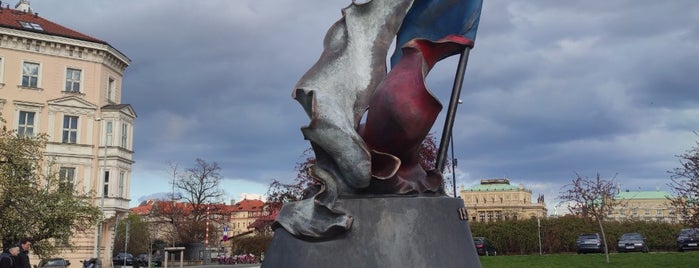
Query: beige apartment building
[644, 206]
[496, 200]
[68, 85]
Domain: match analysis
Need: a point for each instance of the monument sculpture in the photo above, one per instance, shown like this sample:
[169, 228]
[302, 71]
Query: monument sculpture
[366, 128]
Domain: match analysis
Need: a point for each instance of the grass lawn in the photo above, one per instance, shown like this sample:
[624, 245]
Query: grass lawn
[689, 259]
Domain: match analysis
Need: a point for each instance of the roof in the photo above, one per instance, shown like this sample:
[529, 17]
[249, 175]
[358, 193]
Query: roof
[246, 205]
[126, 108]
[250, 205]
[643, 195]
[24, 21]
[263, 221]
[494, 185]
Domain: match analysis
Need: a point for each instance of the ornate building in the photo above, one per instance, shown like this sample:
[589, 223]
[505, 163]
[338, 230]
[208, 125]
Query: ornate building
[644, 206]
[496, 200]
[68, 85]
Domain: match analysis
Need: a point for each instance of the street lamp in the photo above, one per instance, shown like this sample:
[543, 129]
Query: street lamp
[98, 263]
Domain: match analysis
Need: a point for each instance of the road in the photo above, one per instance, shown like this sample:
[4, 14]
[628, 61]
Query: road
[255, 265]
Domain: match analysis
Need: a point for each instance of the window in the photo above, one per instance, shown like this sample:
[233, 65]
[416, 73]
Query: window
[105, 189]
[2, 70]
[66, 177]
[70, 129]
[124, 134]
[30, 74]
[111, 87]
[73, 80]
[25, 128]
[109, 132]
[122, 175]
[31, 25]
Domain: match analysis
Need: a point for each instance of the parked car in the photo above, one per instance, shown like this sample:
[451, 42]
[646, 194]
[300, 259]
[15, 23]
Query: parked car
[123, 259]
[143, 260]
[632, 242]
[89, 263]
[591, 242]
[485, 247]
[54, 263]
[688, 238]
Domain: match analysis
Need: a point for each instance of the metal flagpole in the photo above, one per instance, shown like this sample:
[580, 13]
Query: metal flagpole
[451, 111]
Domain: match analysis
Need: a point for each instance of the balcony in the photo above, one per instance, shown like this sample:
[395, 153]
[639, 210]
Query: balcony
[112, 205]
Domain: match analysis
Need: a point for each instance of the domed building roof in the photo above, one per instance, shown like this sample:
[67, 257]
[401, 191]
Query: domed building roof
[495, 185]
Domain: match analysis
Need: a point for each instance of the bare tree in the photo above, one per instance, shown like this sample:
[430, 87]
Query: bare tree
[684, 182]
[591, 198]
[199, 188]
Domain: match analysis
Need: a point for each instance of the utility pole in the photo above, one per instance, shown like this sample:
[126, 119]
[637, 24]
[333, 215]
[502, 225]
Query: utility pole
[103, 125]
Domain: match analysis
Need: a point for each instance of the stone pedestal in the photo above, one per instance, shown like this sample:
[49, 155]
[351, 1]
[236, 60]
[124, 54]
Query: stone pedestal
[387, 232]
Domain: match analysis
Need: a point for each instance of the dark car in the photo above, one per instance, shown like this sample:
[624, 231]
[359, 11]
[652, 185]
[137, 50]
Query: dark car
[155, 259]
[485, 247]
[591, 242]
[89, 263]
[688, 238]
[123, 259]
[632, 242]
[54, 263]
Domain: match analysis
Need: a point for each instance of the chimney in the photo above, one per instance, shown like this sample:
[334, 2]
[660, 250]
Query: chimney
[232, 202]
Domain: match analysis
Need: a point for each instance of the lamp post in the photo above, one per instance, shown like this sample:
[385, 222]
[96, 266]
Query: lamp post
[453, 166]
[453, 160]
[98, 263]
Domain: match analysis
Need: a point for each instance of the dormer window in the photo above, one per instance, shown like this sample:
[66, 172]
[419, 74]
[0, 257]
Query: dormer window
[31, 25]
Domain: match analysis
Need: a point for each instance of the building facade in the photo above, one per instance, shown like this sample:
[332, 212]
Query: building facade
[224, 222]
[496, 200]
[68, 85]
[644, 206]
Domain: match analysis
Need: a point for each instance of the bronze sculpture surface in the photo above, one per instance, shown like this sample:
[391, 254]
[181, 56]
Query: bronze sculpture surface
[349, 83]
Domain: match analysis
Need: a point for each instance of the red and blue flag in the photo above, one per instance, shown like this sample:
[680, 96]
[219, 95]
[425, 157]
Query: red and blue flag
[437, 20]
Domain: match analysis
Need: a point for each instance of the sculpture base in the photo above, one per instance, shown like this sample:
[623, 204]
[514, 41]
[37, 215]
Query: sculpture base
[386, 232]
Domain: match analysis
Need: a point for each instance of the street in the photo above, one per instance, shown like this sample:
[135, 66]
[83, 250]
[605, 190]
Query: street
[254, 265]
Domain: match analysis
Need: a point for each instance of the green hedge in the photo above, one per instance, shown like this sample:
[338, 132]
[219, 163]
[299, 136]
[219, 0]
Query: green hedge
[559, 234]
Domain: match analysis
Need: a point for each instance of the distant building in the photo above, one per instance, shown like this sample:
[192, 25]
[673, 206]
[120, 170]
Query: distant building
[68, 85]
[644, 206]
[243, 214]
[235, 218]
[496, 200]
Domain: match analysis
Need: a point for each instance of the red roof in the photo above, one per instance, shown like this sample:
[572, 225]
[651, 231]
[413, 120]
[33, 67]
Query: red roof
[245, 205]
[261, 222]
[23, 21]
[249, 205]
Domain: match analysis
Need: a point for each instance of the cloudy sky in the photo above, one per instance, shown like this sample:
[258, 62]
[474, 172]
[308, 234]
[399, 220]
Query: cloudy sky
[553, 88]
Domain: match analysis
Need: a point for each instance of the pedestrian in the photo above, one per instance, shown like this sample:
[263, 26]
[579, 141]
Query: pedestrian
[22, 259]
[7, 257]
